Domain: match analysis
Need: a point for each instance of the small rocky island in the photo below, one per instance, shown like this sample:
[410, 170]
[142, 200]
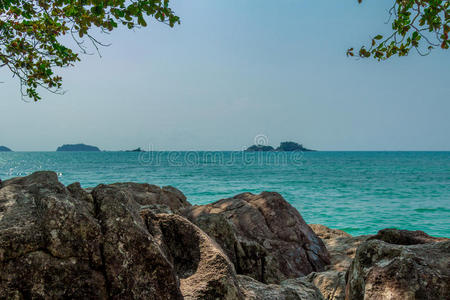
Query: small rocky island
[284, 147]
[141, 241]
[5, 149]
[135, 150]
[78, 147]
[260, 148]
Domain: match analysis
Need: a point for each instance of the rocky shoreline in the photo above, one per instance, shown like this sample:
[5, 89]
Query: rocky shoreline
[140, 241]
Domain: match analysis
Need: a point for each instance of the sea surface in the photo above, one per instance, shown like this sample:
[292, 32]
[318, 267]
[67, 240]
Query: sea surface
[358, 192]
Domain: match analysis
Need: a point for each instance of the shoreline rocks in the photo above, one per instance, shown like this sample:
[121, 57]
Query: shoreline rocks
[140, 241]
[411, 265]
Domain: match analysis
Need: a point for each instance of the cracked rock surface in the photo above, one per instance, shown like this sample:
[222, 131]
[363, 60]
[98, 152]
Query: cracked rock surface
[400, 264]
[64, 242]
[264, 236]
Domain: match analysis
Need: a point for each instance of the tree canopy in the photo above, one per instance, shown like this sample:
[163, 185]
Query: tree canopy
[416, 24]
[32, 32]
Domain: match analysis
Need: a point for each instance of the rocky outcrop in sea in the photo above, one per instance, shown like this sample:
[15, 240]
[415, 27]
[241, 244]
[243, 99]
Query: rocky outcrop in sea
[140, 241]
[4, 149]
[78, 147]
[284, 147]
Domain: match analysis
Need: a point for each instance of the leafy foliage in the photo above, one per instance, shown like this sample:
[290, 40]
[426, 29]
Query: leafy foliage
[31, 33]
[416, 24]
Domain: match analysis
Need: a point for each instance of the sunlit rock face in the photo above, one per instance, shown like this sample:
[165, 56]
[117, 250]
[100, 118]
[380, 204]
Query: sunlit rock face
[264, 236]
[400, 264]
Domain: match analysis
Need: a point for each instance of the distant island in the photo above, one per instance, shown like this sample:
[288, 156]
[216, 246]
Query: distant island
[257, 148]
[284, 147]
[135, 150]
[5, 149]
[78, 147]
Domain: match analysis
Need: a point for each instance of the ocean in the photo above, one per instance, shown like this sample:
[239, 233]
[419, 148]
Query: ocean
[358, 192]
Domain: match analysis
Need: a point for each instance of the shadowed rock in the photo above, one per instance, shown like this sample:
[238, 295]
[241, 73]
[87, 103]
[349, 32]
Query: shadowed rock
[264, 236]
[405, 237]
[384, 270]
[64, 242]
[204, 270]
[50, 244]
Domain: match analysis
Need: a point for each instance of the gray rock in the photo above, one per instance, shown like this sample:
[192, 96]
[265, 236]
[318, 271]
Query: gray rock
[384, 270]
[331, 284]
[342, 248]
[58, 242]
[204, 270]
[264, 236]
[406, 237]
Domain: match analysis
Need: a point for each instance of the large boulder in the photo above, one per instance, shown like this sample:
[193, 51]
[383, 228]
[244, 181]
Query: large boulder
[50, 244]
[68, 242]
[204, 270]
[264, 236]
[387, 270]
[58, 242]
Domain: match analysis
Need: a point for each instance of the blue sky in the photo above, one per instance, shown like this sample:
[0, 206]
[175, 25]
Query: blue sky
[236, 69]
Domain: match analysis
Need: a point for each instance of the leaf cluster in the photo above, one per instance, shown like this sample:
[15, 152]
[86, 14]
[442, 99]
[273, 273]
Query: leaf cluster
[31, 33]
[417, 24]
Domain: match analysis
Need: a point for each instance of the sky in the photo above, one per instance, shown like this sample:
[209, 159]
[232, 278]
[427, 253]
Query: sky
[235, 70]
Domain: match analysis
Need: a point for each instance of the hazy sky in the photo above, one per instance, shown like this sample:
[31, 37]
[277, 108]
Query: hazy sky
[235, 69]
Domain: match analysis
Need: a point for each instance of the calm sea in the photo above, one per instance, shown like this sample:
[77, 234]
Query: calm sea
[359, 192]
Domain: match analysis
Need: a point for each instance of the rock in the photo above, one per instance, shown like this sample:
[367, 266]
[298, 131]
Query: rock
[264, 236]
[135, 266]
[342, 248]
[384, 270]
[58, 242]
[204, 270]
[5, 149]
[50, 244]
[341, 245]
[78, 147]
[135, 150]
[331, 284]
[291, 146]
[259, 148]
[291, 289]
[405, 237]
[168, 199]
[284, 147]
[111, 242]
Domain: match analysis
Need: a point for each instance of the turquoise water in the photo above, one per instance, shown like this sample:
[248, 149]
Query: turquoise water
[359, 192]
